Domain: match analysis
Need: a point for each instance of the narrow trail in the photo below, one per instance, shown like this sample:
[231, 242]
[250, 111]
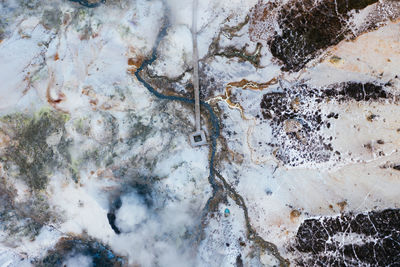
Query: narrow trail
[212, 117]
[219, 188]
[222, 185]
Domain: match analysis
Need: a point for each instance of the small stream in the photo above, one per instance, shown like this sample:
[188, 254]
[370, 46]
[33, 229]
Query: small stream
[212, 117]
[214, 134]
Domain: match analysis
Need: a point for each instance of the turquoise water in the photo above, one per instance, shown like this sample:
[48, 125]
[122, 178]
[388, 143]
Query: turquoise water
[87, 3]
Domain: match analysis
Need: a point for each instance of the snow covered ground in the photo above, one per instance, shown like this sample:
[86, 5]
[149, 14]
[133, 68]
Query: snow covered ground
[92, 163]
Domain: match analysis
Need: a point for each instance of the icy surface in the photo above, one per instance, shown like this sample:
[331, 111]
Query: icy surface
[96, 168]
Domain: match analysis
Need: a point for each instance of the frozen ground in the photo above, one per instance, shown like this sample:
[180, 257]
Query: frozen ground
[95, 170]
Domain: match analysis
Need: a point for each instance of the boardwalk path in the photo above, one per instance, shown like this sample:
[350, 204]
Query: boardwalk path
[214, 134]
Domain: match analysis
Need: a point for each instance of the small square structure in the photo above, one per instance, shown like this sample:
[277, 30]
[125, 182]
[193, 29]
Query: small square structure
[198, 138]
